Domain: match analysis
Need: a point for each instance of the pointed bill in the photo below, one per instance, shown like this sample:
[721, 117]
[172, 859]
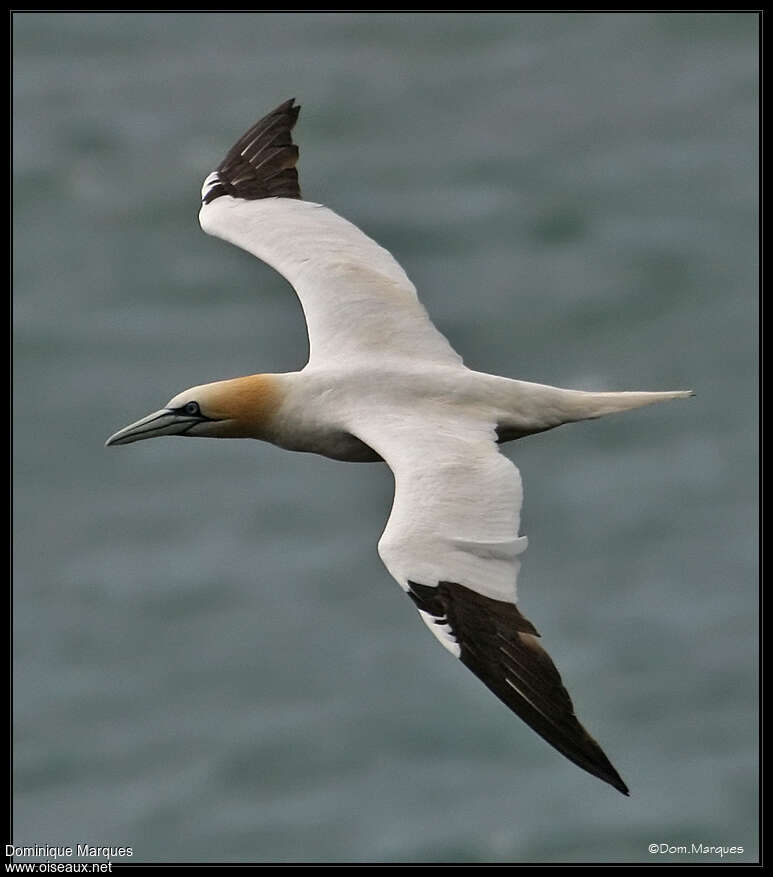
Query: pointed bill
[163, 422]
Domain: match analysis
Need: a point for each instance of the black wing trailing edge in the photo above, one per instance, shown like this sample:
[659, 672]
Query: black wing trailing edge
[500, 646]
[262, 163]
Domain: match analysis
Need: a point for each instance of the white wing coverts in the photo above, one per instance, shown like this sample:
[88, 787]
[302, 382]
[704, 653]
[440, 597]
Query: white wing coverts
[452, 543]
[358, 302]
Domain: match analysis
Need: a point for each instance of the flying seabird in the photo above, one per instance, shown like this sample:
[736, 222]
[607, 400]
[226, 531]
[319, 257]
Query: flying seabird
[382, 384]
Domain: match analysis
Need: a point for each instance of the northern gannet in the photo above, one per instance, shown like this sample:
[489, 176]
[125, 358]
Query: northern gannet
[382, 384]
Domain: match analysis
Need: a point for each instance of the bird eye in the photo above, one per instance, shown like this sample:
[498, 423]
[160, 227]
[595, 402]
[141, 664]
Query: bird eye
[192, 408]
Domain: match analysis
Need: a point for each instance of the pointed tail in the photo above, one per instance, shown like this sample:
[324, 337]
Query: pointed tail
[585, 405]
[531, 408]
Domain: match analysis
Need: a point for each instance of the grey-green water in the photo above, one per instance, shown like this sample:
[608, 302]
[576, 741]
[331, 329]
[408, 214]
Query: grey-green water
[210, 662]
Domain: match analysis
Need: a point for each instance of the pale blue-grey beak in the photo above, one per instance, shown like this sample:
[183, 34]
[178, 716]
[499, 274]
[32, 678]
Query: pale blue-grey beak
[167, 421]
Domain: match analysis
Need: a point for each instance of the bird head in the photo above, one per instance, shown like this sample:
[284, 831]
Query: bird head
[237, 408]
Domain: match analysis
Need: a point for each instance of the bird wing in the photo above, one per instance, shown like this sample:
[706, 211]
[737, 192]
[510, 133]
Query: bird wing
[452, 543]
[358, 302]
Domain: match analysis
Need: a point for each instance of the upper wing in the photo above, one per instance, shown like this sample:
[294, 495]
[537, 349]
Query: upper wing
[358, 302]
[452, 543]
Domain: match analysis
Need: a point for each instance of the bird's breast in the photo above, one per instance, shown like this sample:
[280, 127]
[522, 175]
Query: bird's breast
[333, 443]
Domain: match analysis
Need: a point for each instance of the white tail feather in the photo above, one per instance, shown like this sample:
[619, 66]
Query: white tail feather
[532, 408]
[589, 405]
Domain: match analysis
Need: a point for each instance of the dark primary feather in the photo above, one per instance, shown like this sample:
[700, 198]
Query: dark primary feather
[262, 163]
[500, 646]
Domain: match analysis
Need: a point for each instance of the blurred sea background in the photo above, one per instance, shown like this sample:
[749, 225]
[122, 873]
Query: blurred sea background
[210, 661]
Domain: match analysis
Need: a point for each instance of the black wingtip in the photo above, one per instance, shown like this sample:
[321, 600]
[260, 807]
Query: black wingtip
[499, 645]
[615, 780]
[261, 164]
